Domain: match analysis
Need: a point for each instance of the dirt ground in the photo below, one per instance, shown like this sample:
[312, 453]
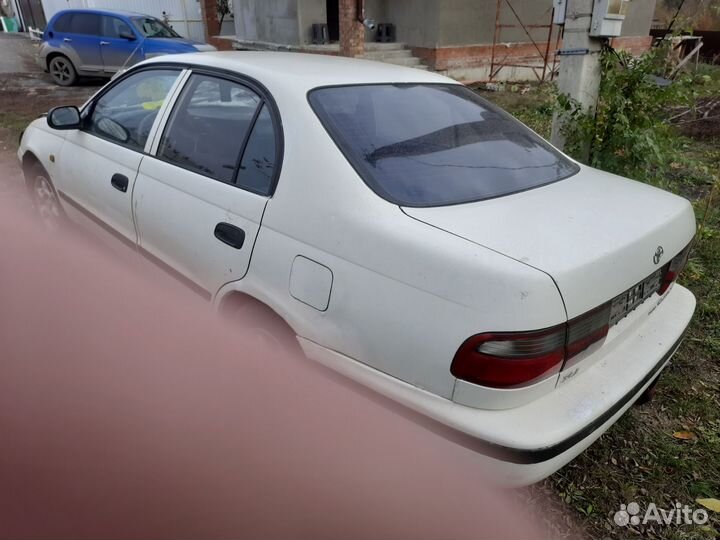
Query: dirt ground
[26, 92]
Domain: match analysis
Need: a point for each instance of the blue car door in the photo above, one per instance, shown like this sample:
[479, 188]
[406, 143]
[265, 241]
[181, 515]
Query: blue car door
[118, 44]
[84, 38]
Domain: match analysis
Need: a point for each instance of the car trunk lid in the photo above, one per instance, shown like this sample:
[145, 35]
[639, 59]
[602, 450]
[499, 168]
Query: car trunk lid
[595, 234]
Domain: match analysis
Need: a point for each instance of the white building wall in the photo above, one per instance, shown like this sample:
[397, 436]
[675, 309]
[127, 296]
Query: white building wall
[183, 15]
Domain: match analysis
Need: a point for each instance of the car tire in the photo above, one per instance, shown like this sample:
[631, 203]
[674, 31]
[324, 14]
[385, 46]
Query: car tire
[648, 394]
[261, 328]
[45, 199]
[62, 71]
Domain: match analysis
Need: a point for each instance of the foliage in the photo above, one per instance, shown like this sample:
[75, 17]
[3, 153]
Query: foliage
[628, 134]
[223, 8]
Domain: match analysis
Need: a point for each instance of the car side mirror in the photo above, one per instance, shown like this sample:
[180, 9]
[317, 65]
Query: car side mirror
[127, 35]
[64, 118]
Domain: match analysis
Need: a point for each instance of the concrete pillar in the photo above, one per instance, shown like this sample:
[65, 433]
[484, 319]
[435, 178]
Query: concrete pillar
[352, 32]
[580, 74]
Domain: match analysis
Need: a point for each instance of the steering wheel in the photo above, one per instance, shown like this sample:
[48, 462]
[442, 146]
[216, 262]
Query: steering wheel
[144, 127]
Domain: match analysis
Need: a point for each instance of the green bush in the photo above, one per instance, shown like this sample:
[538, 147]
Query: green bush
[628, 133]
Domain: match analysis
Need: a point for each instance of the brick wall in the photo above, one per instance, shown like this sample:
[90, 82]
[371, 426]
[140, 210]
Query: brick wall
[211, 26]
[633, 44]
[471, 56]
[352, 32]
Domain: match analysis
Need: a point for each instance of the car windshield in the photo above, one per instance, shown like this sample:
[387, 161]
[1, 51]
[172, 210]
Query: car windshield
[152, 27]
[435, 144]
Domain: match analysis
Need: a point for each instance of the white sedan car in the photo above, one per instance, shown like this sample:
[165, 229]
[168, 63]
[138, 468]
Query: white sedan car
[408, 233]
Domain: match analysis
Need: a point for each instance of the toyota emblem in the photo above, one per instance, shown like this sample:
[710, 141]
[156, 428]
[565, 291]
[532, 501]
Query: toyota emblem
[658, 254]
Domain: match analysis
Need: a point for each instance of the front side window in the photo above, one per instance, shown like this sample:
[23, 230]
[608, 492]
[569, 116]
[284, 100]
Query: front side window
[154, 28]
[435, 144]
[115, 28]
[85, 23]
[125, 113]
[209, 127]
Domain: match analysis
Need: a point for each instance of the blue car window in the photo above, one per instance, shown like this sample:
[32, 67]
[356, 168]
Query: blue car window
[62, 24]
[152, 27]
[115, 28]
[85, 23]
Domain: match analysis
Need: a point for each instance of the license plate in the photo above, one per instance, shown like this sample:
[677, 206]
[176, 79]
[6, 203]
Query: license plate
[626, 302]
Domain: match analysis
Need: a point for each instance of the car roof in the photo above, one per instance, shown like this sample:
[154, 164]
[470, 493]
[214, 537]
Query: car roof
[120, 12]
[305, 71]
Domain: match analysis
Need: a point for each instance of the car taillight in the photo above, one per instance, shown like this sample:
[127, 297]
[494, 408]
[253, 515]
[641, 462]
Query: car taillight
[515, 359]
[673, 268]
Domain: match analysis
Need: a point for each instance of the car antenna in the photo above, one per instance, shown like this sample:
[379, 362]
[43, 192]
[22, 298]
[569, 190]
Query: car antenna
[122, 68]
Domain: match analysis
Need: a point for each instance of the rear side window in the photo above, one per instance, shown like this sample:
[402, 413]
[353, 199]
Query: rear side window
[85, 23]
[258, 160]
[209, 127]
[434, 144]
[63, 23]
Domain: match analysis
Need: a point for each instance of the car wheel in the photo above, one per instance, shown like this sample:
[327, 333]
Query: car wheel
[45, 200]
[648, 394]
[261, 328]
[62, 71]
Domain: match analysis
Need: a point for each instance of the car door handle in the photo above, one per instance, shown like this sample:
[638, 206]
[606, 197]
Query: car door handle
[119, 182]
[67, 40]
[230, 234]
[104, 43]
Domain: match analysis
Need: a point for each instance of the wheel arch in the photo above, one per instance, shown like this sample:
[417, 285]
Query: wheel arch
[228, 299]
[55, 54]
[29, 162]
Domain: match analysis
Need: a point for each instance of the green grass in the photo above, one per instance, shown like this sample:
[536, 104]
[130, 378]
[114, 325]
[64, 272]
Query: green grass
[638, 459]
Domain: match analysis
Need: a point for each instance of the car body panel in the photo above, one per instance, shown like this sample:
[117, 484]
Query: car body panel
[595, 233]
[405, 291]
[525, 444]
[165, 195]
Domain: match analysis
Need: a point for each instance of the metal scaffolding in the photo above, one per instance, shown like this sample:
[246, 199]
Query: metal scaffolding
[544, 56]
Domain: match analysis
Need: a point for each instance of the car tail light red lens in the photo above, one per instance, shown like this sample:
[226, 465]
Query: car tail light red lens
[587, 329]
[504, 360]
[515, 359]
[673, 268]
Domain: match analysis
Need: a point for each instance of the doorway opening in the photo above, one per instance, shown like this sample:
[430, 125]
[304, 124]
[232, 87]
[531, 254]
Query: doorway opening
[32, 14]
[333, 19]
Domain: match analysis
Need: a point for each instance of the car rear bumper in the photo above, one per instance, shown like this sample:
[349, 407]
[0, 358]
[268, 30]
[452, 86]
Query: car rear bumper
[528, 443]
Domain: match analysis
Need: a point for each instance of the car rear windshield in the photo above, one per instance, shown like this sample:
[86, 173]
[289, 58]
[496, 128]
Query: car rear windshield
[435, 144]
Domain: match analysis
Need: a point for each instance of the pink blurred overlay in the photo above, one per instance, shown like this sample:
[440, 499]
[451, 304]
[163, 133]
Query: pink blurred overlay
[129, 410]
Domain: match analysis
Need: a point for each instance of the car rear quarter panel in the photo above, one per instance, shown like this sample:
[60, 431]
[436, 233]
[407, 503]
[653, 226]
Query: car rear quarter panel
[405, 295]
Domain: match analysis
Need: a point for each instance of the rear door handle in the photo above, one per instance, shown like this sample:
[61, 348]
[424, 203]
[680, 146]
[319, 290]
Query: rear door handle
[67, 40]
[104, 43]
[230, 234]
[119, 182]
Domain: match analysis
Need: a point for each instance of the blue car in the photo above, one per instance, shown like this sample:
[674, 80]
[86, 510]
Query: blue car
[99, 43]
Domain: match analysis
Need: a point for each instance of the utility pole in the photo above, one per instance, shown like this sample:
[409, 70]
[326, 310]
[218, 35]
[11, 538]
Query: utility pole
[579, 76]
